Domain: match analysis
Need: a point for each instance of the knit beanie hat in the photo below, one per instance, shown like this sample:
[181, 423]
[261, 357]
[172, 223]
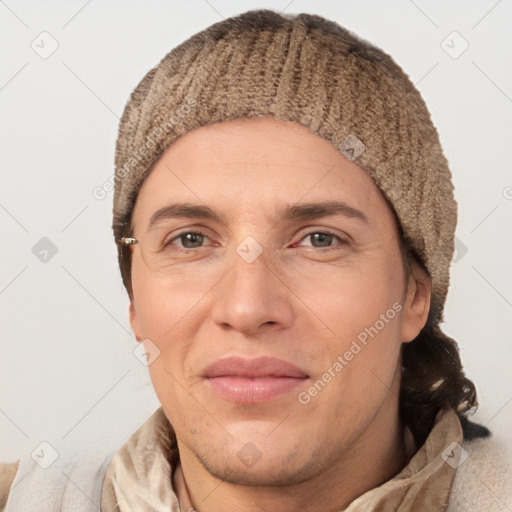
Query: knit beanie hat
[307, 69]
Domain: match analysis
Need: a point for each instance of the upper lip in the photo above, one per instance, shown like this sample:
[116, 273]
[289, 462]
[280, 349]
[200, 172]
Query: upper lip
[263, 366]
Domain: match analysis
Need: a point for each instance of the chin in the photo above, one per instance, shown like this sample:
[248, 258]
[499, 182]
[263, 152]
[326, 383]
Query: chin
[271, 473]
[255, 461]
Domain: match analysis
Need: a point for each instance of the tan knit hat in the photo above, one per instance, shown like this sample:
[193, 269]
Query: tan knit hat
[307, 69]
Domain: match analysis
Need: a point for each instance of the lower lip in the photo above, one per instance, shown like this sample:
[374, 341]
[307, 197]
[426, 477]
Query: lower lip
[251, 390]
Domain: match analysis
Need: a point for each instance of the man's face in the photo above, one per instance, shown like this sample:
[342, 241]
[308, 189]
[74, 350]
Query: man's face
[326, 295]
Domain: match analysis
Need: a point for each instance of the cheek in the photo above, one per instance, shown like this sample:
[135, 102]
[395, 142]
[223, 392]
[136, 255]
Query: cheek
[359, 310]
[170, 313]
[164, 306]
[346, 300]
[359, 360]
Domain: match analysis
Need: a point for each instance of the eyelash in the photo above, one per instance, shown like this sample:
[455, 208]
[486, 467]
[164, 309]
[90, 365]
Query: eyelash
[343, 241]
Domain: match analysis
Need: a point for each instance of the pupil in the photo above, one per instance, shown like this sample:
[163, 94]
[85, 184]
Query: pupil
[193, 238]
[323, 237]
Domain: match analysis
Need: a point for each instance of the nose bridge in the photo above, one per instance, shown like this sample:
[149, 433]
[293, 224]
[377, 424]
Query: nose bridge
[252, 295]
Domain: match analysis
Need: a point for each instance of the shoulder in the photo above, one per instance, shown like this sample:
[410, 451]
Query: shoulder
[483, 479]
[7, 473]
[65, 474]
[70, 482]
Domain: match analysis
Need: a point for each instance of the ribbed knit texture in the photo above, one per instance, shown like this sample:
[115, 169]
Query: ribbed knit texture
[307, 69]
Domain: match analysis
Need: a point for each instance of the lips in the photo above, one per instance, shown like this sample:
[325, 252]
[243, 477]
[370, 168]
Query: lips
[252, 381]
[262, 366]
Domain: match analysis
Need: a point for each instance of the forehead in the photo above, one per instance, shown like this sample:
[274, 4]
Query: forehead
[252, 168]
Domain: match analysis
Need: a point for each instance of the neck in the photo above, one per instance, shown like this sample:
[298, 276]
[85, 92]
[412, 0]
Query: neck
[379, 453]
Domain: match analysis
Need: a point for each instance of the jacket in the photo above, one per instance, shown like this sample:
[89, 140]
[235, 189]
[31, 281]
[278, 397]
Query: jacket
[123, 479]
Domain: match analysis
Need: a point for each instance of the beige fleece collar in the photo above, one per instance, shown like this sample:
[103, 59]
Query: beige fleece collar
[139, 476]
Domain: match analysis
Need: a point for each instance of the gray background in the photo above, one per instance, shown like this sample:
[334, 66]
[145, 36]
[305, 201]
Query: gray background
[67, 370]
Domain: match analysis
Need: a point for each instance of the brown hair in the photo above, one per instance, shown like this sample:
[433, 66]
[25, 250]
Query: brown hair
[124, 257]
[433, 378]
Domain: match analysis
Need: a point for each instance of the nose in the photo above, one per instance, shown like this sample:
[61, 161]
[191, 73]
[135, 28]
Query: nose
[253, 297]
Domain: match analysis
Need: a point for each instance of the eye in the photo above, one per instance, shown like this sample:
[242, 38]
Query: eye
[324, 239]
[188, 239]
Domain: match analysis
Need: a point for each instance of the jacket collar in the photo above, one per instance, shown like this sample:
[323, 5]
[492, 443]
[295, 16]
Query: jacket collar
[142, 474]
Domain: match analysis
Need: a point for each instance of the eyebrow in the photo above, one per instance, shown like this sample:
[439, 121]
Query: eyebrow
[301, 211]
